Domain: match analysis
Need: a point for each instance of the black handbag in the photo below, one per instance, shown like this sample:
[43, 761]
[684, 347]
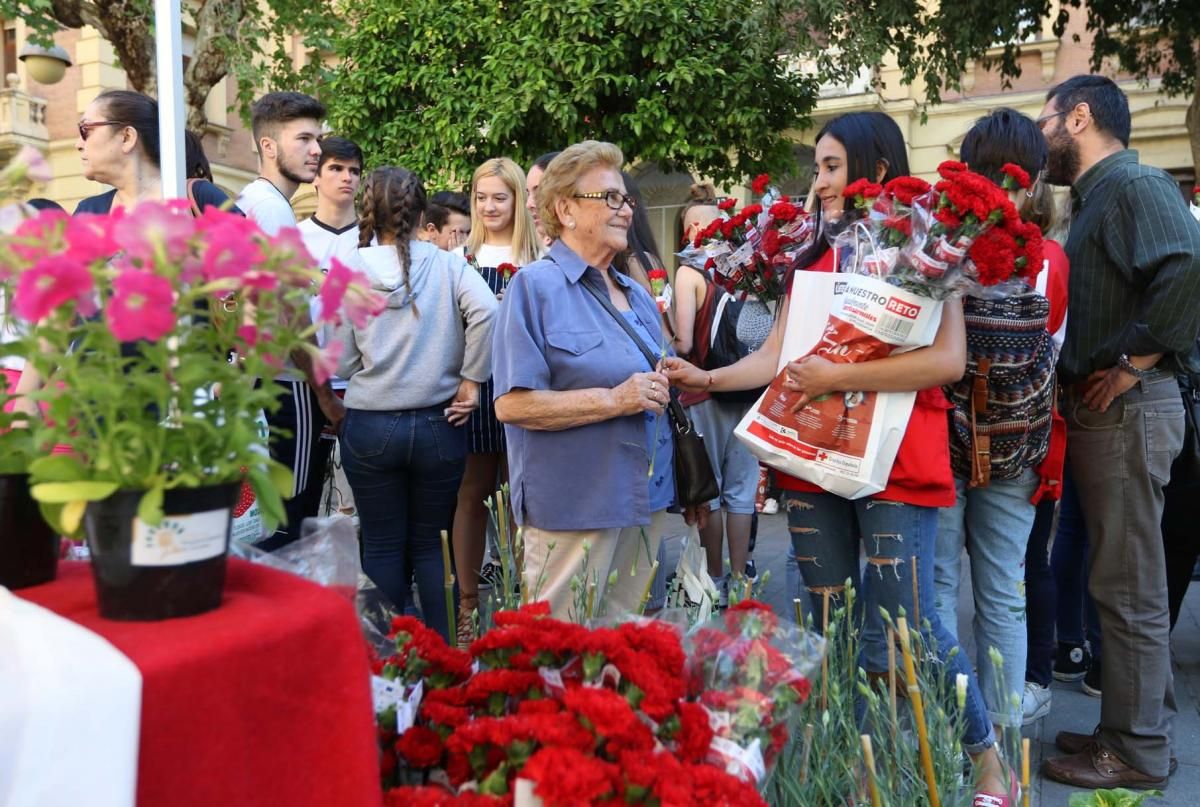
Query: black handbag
[695, 482]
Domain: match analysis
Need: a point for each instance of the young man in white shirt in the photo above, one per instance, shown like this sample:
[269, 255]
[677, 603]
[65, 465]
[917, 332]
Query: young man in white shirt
[332, 231]
[287, 131]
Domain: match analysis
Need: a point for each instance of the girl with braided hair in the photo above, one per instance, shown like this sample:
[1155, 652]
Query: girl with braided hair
[414, 374]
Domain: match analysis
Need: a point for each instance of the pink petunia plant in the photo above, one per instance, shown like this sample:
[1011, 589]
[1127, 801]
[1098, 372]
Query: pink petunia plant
[151, 329]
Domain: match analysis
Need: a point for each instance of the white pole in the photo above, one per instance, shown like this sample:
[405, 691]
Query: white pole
[168, 38]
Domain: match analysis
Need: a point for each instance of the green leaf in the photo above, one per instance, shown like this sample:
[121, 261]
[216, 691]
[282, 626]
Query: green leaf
[150, 507]
[65, 492]
[57, 468]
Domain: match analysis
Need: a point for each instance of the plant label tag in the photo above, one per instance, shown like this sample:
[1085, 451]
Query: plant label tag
[180, 539]
[407, 706]
[384, 692]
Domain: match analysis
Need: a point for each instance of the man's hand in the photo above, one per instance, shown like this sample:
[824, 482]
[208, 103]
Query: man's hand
[1104, 386]
[466, 401]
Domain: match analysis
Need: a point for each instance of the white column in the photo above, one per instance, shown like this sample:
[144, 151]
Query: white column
[169, 60]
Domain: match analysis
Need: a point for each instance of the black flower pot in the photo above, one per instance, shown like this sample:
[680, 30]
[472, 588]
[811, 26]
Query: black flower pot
[28, 546]
[176, 568]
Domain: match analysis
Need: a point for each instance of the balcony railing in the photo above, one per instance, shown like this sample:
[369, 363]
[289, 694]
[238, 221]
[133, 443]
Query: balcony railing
[22, 118]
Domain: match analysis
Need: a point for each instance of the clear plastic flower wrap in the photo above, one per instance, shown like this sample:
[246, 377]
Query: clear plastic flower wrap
[752, 251]
[751, 671]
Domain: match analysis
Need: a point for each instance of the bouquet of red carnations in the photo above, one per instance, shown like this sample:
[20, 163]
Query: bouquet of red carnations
[750, 671]
[961, 236]
[588, 716]
[751, 251]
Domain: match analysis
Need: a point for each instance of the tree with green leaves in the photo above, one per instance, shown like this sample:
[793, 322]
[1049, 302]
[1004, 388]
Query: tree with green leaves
[441, 85]
[934, 41]
[244, 38]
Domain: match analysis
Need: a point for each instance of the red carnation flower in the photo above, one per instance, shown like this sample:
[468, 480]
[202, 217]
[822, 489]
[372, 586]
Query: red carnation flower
[863, 192]
[949, 168]
[760, 183]
[905, 189]
[421, 747]
[563, 777]
[750, 211]
[727, 204]
[1018, 175]
[783, 211]
[695, 732]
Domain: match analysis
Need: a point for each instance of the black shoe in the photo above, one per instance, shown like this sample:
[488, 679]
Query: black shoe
[1091, 681]
[1072, 661]
[491, 575]
[751, 569]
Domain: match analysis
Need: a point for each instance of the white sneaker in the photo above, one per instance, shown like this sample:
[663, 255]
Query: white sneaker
[1036, 703]
[770, 507]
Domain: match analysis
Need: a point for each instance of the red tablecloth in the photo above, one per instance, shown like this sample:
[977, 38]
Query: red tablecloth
[264, 701]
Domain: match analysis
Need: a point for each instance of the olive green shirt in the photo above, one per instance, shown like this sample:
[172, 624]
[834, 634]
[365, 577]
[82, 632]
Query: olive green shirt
[1134, 283]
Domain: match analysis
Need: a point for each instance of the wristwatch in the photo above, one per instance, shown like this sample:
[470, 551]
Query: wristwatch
[1125, 364]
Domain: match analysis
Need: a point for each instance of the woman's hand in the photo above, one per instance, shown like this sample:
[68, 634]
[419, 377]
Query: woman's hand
[465, 401]
[812, 377]
[643, 392]
[685, 375]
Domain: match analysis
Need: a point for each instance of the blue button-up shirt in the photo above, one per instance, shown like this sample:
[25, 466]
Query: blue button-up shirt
[552, 334]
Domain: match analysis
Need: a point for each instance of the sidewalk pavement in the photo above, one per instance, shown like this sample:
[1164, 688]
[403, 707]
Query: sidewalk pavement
[1072, 710]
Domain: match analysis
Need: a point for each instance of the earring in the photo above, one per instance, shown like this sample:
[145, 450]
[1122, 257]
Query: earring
[570, 225]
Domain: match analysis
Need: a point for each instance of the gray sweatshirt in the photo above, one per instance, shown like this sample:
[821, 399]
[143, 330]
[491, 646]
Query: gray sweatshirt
[403, 361]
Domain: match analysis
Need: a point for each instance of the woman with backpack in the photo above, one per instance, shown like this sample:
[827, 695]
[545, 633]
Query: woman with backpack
[698, 302]
[1000, 430]
[898, 524]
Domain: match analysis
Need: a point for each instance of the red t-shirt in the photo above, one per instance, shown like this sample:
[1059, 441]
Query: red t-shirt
[921, 474]
[1052, 282]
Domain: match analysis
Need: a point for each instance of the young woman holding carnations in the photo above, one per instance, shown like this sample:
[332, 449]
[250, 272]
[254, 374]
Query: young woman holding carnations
[898, 524]
[502, 235]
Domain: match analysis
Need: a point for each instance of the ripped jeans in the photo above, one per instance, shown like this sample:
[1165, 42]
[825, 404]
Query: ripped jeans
[825, 532]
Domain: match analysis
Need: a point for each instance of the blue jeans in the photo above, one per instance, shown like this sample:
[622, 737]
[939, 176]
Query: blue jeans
[1069, 564]
[992, 523]
[404, 469]
[826, 530]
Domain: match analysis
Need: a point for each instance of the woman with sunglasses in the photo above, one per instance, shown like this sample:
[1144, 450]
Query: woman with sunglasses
[582, 401]
[118, 145]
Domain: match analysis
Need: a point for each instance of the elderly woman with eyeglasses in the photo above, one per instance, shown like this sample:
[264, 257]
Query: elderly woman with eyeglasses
[589, 446]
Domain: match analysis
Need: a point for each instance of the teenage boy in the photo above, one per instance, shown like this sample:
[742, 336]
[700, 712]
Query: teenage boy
[447, 221]
[287, 131]
[332, 231]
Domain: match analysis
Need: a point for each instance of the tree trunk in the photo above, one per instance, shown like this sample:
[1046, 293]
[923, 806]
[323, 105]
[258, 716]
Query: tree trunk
[124, 23]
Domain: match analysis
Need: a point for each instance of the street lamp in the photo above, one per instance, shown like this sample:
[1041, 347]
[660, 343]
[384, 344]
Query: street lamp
[45, 65]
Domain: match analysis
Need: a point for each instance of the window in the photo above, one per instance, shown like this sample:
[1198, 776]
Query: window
[9, 63]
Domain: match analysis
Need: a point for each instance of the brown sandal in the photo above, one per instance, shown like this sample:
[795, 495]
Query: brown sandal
[467, 627]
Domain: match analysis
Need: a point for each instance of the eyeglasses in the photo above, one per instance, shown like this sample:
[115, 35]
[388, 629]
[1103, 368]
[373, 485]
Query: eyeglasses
[614, 199]
[1041, 122]
[85, 129]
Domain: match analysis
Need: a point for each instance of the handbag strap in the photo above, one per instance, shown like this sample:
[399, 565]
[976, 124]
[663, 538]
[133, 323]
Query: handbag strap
[679, 418]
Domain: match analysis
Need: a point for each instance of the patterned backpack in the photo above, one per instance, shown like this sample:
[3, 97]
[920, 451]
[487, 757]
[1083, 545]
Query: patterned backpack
[1000, 424]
